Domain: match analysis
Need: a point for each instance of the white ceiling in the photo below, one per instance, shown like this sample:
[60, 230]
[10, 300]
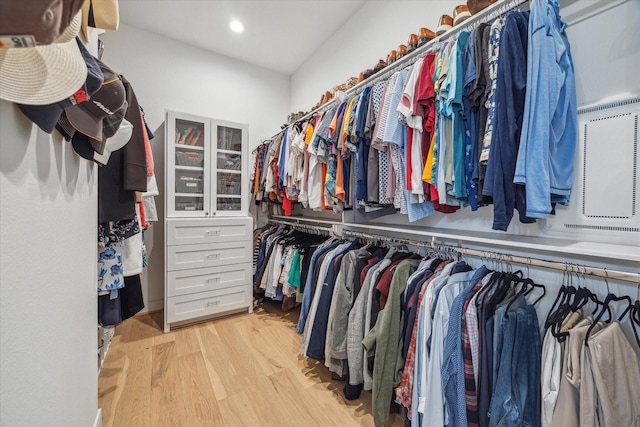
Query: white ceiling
[279, 35]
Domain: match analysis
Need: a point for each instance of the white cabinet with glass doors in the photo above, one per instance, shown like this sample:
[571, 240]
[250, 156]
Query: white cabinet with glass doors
[208, 232]
[206, 173]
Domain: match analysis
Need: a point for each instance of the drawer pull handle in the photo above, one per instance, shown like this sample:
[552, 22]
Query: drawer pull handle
[213, 256]
[213, 303]
[213, 280]
[213, 232]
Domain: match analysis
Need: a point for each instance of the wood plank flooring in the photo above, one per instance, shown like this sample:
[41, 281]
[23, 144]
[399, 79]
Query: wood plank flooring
[241, 370]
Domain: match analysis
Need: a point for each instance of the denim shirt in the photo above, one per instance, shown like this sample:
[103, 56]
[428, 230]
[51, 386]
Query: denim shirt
[549, 129]
[309, 286]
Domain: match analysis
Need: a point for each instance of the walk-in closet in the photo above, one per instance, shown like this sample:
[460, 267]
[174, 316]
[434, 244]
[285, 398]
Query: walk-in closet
[319, 213]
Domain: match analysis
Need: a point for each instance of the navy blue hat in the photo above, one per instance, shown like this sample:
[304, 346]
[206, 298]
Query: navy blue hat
[46, 116]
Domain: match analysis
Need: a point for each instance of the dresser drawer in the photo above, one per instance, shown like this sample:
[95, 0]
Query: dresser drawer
[185, 282]
[185, 257]
[195, 231]
[188, 307]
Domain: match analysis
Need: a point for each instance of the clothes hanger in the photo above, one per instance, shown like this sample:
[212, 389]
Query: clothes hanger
[634, 316]
[527, 286]
[581, 297]
[610, 298]
[559, 306]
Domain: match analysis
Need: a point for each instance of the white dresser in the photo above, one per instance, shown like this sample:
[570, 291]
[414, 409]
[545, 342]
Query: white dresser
[209, 262]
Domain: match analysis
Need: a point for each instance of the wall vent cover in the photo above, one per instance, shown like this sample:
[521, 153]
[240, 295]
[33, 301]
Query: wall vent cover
[605, 184]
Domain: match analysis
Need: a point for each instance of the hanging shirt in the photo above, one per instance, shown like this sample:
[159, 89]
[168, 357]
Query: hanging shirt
[282, 158]
[436, 415]
[425, 328]
[494, 50]
[394, 135]
[377, 143]
[362, 152]
[373, 170]
[509, 99]
[459, 186]
[471, 122]
[383, 341]
[550, 124]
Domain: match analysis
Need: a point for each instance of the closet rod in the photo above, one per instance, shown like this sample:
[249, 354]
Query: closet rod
[490, 13]
[535, 262]
[313, 228]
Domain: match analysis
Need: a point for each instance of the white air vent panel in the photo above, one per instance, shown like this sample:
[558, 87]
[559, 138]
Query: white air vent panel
[603, 206]
[610, 147]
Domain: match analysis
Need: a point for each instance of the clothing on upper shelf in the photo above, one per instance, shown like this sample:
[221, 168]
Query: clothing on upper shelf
[454, 129]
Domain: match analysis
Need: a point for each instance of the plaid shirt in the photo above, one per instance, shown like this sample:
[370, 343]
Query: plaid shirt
[471, 395]
[405, 390]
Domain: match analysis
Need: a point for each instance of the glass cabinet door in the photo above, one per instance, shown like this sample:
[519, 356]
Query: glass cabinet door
[188, 165]
[205, 170]
[230, 175]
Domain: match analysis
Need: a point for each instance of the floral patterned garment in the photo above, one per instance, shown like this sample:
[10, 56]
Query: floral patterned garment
[110, 271]
[494, 44]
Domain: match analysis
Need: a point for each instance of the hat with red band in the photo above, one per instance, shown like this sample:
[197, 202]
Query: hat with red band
[46, 116]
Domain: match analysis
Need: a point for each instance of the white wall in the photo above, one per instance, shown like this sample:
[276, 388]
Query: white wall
[48, 303]
[169, 75]
[376, 29]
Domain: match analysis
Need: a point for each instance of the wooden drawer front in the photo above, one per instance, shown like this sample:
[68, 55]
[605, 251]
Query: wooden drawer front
[185, 282]
[184, 232]
[187, 307]
[185, 257]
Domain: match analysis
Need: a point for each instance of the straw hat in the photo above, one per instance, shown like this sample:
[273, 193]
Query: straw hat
[43, 75]
[103, 14]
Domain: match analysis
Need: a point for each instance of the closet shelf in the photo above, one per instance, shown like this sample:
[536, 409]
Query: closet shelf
[189, 168]
[549, 245]
[190, 147]
[189, 195]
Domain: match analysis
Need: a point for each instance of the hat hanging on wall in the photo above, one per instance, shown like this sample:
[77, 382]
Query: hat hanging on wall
[46, 116]
[87, 147]
[43, 75]
[87, 117]
[38, 21]
[116, 142]
[103, 14]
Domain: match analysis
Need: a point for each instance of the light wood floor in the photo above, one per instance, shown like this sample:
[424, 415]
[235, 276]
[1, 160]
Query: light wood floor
[242, 370]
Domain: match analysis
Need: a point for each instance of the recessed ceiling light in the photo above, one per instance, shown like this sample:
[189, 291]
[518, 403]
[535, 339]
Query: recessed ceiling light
[236, 26]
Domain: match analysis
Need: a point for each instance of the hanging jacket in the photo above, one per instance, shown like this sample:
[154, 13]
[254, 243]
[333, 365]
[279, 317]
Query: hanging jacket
[549, 129]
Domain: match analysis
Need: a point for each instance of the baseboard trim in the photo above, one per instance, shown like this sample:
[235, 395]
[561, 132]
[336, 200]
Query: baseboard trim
[153, 306]
[98, 421]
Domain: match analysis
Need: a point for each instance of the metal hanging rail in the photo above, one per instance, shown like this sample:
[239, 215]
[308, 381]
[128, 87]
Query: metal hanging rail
[488, 14]
[501, 257]
[307, 227]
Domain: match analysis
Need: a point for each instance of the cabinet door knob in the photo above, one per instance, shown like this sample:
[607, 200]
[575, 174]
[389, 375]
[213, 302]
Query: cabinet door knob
[213, 256]
[213, 232]
[213, 303]
[213, 280]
